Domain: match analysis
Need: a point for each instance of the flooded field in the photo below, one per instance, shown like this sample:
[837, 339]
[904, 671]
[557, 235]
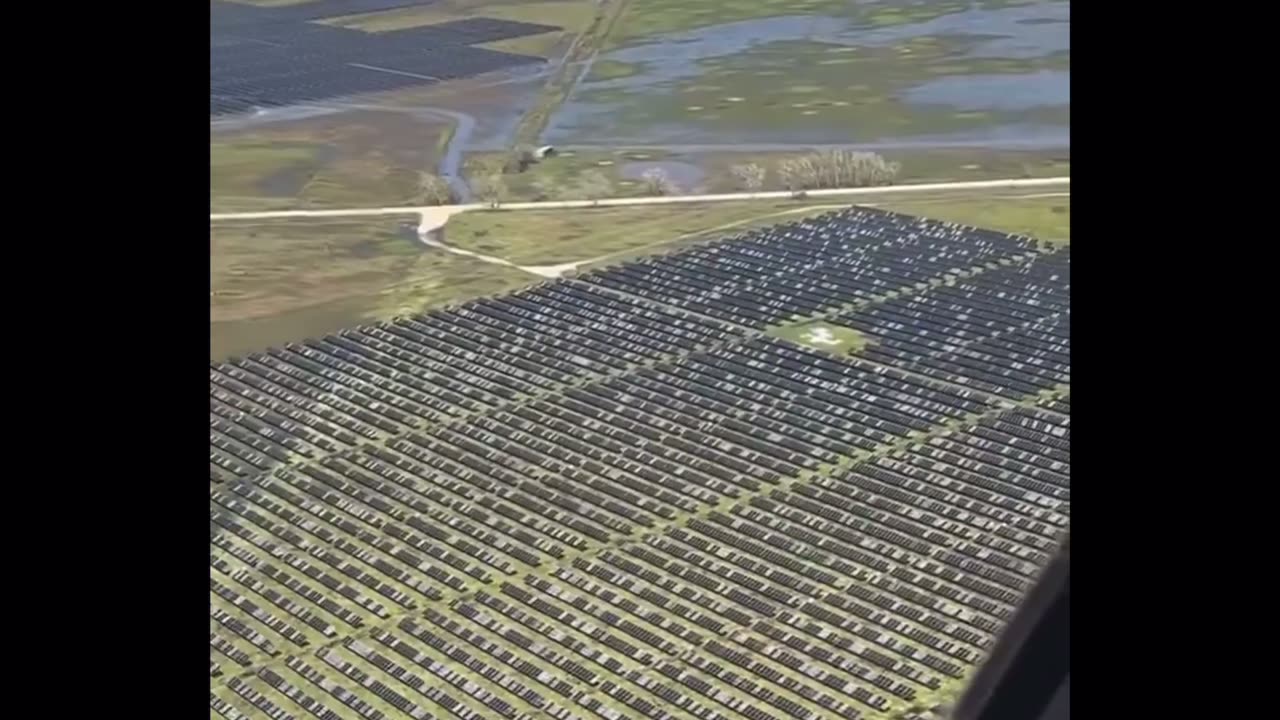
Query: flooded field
[911, 73]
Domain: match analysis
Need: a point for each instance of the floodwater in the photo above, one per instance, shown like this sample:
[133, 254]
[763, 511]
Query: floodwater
[1025, 91]
[666, 64]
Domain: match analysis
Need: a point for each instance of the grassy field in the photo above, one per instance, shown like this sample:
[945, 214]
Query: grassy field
[570, 15]
[612, 234]
[352, 159]
[648, 18]
[554, 237]
[819, 335]
[285, 280]
[558, 176]
[1046, 218]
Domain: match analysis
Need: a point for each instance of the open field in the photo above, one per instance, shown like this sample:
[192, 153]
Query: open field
[613, 497]
[610, 235]
[551, 237]
[346, 160]
[280, 281]
[823, 336]
[772, 72]
[1047, 218]
[697, 172]
[570, 15]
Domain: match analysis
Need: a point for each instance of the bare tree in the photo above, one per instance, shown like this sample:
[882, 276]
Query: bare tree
[491, 189]
[434, 190]
[797, 175]
[657, 182]
[593, 185]
[787, 174]
[837, 169]
[750, 177]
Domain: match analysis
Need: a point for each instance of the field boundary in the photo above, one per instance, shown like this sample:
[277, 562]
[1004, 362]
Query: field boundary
[1004, 184]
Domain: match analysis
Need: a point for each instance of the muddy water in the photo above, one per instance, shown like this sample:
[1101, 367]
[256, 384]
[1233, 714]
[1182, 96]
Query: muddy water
[664, 64]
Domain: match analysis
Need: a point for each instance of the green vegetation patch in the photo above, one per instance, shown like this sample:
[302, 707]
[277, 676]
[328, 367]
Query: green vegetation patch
[560, 176]
[343, 160]
[608, 235]
[822, 335]
[1044, 215]
[544, 45]
[570, 15]
[612, 70]
[647, 18]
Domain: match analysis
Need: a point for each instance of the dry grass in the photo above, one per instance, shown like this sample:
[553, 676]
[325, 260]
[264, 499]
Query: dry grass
[285, 280]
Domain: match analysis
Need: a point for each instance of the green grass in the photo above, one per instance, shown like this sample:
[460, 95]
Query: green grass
[1046, 218]
[814, 334]
[570, 15]
[543, 45]
[553, 237]
[556, 177]
[611, 70]
[564, 170]
[647, 18]
[343, 160]
[238, 170]
[286, 280]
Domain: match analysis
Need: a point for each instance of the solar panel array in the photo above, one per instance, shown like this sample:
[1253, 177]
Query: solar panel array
[599, 498]
[274, 56]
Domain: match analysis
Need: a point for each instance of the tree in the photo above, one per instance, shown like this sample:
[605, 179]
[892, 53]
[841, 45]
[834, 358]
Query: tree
[656, 182]
[593, 185]
[491, 189]
[750, 177]
[848, 168]
[519, 158]
[434, 190]
[797, 175]
[836, 169]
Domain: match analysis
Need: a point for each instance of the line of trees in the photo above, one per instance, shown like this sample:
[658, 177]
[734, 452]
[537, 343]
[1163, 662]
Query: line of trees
[434, 190]
[836, 169]
[823, 169]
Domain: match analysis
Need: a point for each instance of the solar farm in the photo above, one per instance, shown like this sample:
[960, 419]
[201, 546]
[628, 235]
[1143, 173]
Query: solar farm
[806, 471]
[262, 57]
